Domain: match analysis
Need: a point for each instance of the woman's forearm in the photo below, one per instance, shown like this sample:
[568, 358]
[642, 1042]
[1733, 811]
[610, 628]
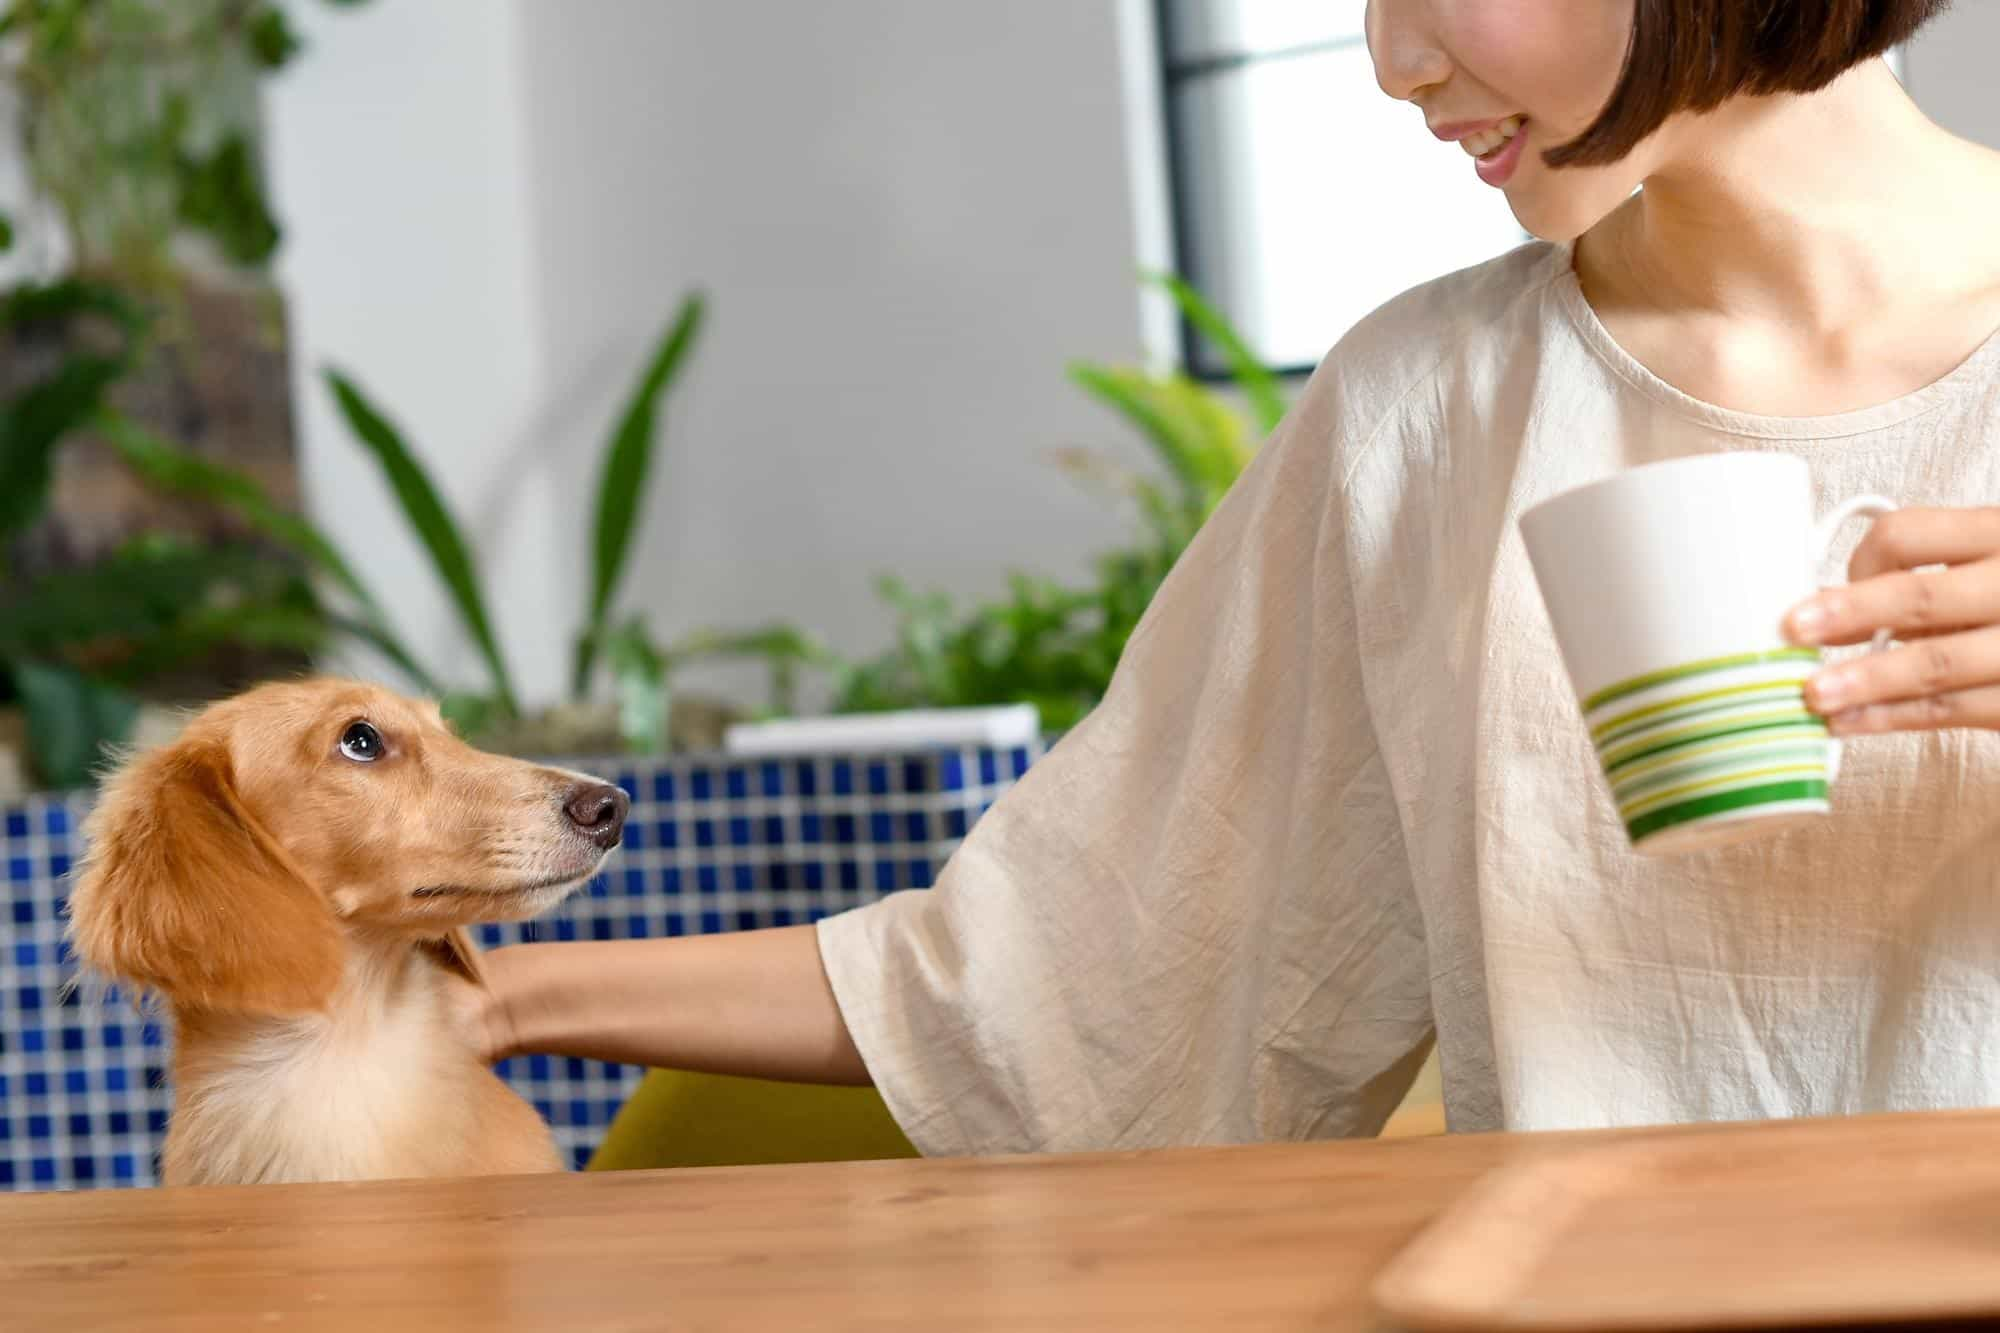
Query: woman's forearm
[755, 1003]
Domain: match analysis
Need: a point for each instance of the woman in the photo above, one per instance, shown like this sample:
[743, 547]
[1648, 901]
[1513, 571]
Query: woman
[1339, 804]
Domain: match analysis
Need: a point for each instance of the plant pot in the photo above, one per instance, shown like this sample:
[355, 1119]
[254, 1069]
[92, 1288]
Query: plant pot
[695, 725]
[13, 754]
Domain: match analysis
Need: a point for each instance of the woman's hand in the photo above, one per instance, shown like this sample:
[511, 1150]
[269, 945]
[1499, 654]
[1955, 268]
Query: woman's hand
[478, 1013]
[1931, 577]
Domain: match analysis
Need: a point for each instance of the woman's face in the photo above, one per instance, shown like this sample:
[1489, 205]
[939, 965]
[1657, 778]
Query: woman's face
[1541, 69]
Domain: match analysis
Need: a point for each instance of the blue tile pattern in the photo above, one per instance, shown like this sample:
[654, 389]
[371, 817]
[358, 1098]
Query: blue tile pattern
[713, 844]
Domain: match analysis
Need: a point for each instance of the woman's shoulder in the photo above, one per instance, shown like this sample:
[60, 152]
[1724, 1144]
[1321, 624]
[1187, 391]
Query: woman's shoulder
[1445, 328]
[1428, 373]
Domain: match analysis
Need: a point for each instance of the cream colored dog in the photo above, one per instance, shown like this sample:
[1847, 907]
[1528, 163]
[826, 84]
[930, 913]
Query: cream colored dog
[294, 875]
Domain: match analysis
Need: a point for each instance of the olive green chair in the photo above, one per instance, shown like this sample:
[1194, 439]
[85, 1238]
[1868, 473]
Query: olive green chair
[676, 1118]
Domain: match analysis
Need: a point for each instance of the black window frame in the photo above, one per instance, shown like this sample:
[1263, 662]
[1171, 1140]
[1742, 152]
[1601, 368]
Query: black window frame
[1174, 75]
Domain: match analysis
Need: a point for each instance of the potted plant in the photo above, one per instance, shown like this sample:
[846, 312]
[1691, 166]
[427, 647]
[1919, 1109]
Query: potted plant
[1056, 644]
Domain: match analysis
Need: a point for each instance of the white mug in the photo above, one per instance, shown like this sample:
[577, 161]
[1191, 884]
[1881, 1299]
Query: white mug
[1667, 586]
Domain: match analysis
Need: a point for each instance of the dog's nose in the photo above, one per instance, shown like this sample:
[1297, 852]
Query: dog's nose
[598, 811]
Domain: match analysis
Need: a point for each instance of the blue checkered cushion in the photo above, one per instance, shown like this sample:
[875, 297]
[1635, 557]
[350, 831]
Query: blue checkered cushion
[711, 845]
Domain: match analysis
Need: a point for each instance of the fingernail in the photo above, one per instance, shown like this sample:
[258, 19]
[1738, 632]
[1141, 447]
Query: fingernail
[1808, 622]
[1830, 690]
[1853, 721]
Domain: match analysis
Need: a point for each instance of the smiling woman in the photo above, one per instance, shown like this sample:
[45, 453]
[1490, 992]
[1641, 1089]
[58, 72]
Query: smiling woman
[1586, 84]
[1303, 199]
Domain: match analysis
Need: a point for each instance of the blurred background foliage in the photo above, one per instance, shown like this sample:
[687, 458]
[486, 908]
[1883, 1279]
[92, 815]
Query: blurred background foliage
[142, 359]
[142, 316]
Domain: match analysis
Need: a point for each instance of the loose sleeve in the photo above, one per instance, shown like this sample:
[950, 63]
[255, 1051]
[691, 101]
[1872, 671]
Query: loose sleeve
[1192, 921]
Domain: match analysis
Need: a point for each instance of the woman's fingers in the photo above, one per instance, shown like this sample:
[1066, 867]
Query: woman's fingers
[1938, 712]
[1930, 578]
[1894, 579]
[1913, 538]
[1921, 672]
[1907, 604]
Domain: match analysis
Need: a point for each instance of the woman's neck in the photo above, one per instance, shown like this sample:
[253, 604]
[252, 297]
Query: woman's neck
[1803, 255]
[1820, 209]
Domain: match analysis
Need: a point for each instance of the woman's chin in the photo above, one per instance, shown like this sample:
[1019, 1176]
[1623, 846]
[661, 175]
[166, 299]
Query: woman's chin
[1556, 221]
[1561, 204]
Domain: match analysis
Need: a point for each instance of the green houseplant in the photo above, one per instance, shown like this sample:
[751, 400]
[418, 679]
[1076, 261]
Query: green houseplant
[1056, 644]
[493, 712]
[146, 240]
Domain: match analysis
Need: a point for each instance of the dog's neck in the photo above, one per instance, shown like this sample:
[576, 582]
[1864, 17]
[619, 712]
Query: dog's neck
[382, 973]
[314, 1096]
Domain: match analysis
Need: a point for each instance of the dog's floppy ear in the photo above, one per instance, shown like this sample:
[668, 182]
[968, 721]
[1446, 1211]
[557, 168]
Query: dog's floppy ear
[455, 952]
[182, 891]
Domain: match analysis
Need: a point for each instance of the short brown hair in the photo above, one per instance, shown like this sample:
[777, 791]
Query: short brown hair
[1693, 55]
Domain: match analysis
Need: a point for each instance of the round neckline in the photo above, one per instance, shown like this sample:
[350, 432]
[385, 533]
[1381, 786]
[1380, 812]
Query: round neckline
[1839, 425]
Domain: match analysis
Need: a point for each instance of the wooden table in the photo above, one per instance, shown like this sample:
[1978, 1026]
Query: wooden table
[1280, 1237]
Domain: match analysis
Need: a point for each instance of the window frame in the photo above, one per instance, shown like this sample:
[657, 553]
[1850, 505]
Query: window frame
[1172, 74]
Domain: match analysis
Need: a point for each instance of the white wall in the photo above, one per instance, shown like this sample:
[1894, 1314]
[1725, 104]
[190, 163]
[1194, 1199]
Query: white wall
[908, 216]
[1949, 70]
[398, 157]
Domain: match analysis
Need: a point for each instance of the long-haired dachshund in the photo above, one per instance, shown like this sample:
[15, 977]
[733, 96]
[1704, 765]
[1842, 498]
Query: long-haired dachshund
[293, 876]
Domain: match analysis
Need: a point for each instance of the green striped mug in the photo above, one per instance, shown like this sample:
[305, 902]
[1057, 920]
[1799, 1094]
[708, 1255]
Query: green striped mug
[1666, 586]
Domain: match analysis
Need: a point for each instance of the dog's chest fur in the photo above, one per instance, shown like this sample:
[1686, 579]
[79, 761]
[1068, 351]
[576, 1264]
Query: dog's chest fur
[377, 1088]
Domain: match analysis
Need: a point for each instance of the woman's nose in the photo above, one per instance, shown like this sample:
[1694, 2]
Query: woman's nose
[1407, 58]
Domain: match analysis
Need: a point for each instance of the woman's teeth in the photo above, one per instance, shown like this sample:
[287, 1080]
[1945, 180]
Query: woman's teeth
[1488, 141]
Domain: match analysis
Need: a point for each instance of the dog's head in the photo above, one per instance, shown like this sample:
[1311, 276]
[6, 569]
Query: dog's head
[223, 870]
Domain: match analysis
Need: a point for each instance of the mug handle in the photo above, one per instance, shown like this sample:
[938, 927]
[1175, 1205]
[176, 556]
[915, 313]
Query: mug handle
[1861, 506]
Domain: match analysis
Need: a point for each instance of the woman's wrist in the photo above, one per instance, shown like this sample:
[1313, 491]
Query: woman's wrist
[754, 1002]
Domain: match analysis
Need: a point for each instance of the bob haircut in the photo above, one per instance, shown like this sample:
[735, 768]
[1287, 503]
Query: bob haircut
[1693, 55]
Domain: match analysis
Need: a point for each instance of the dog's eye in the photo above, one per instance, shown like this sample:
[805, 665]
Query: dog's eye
[361, 743]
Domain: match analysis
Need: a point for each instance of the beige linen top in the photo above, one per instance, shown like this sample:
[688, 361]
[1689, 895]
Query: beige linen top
[1339, 803]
